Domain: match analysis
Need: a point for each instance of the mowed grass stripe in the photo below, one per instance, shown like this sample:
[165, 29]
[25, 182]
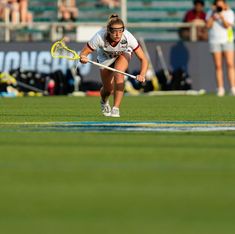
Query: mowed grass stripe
[141, 108]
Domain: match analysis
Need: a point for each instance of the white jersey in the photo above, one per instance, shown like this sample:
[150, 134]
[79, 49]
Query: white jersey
[218, 33]
[107, 54]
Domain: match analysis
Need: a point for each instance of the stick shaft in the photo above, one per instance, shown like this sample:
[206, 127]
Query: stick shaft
[29, 87]
[163, 63]
[112, 69]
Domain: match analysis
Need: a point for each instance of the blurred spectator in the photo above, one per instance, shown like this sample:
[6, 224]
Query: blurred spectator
[1, 10]
[109, 3]
[68, 10]
[16, 11]
[220, 22]
[25, 15]
[197, 16]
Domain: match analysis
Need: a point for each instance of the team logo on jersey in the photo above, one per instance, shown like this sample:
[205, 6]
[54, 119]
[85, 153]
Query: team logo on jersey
[123, 41]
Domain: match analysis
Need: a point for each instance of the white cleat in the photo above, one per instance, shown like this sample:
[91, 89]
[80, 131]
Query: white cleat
[232, 92]
[115, 112]
[105, 108]
[220, 92]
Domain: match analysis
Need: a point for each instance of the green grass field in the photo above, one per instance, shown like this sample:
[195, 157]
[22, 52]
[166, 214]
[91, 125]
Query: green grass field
[116, 182]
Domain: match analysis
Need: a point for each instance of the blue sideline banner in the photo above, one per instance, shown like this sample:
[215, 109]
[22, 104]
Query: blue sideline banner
[36, 57]
[194, 58]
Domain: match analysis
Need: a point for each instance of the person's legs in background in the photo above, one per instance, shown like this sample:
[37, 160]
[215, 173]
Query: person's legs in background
[26, 16]
[229, 57]
[217, 57]
[15, 12]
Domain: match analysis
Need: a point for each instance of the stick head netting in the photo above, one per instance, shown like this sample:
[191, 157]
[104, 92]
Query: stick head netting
[60, 50]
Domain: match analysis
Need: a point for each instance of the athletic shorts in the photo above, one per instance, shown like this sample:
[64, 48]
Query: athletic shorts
[214, 47]
[110, 62]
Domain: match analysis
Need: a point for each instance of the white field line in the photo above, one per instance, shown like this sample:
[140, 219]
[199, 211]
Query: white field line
[131, 124]
[176, 126]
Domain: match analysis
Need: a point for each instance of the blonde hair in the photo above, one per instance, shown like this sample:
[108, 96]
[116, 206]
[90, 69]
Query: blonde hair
[114, 19]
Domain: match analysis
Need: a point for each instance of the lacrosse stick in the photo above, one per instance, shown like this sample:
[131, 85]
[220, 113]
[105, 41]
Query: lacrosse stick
[60, 50]
[151, 70]
[8, 78]
[163, 64]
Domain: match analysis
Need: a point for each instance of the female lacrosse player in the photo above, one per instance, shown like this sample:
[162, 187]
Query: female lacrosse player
[220, 20]
[114, 45]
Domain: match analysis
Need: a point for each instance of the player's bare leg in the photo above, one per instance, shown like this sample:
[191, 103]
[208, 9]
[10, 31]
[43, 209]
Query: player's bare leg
[107, 81]
[121, 64]
[106, 90]
[229, 57]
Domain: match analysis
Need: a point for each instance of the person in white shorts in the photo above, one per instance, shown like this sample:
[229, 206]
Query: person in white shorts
[219, 21]
[114, 46]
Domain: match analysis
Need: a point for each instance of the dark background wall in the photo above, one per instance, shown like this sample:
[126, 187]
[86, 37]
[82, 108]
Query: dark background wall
[193, 57]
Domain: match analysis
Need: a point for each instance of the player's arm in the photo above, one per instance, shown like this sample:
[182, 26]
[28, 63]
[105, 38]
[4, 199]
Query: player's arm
[84, 53]
[144, 64]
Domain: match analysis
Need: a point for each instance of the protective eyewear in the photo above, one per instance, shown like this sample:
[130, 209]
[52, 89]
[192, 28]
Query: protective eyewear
[116, 30]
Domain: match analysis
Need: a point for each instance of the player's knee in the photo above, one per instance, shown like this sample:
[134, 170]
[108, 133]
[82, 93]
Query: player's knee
[119, 78]
[218, 67]
[230, 65]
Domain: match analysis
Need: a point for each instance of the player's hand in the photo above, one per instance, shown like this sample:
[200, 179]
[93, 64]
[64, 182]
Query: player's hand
[140, 78]
[83, 59]
[66, 39]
